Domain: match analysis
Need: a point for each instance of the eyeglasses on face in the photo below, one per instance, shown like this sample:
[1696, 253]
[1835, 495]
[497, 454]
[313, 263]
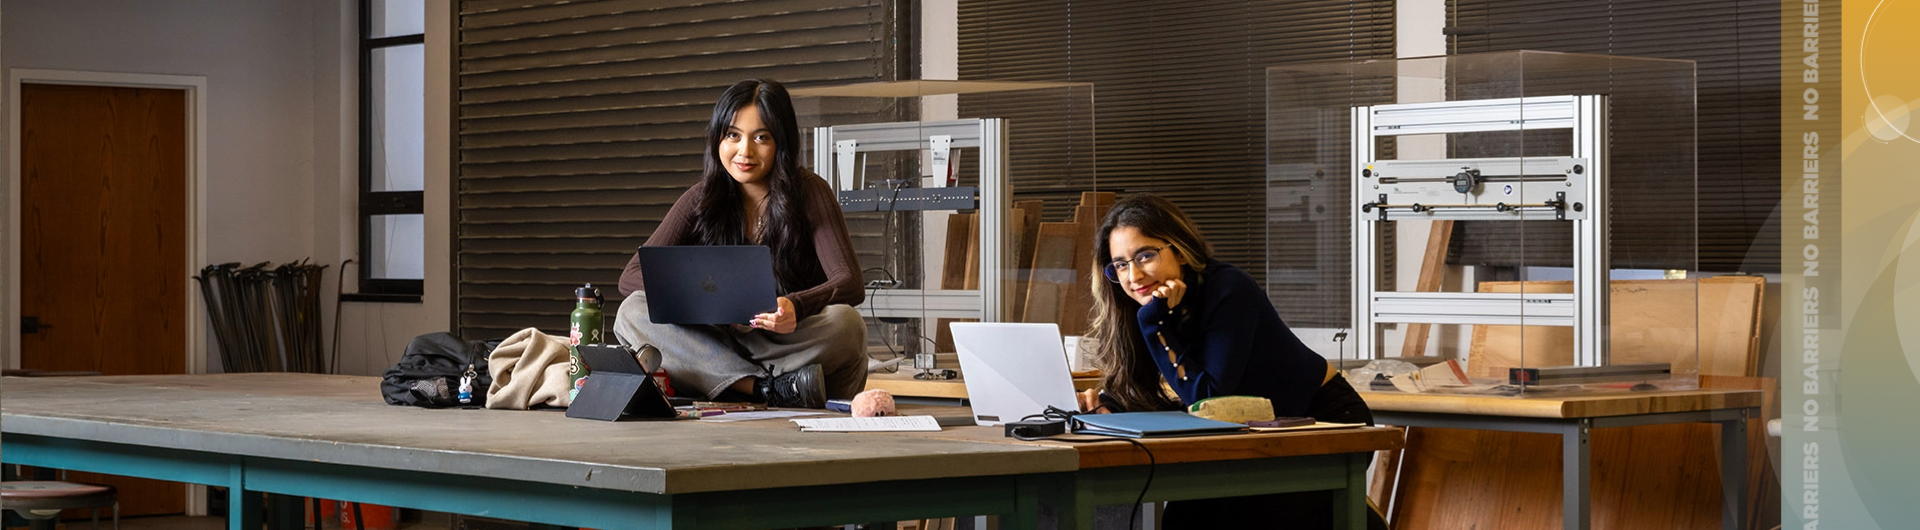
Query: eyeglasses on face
[1118, 267]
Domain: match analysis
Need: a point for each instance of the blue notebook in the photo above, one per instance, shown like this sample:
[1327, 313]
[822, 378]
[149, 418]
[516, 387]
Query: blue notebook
[1151, 425]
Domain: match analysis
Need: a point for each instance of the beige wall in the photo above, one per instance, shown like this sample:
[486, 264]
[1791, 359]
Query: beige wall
[281, 176]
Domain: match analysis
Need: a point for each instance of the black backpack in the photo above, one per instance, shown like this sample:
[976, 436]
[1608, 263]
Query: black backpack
[430, 371]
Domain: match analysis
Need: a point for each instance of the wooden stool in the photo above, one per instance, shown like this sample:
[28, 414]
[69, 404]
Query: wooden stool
[40, 502]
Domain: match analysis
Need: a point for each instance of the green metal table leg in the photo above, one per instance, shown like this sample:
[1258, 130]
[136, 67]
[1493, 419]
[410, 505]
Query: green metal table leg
[1056, 491]
[284, 512]
[244, 508]
[1350, 503]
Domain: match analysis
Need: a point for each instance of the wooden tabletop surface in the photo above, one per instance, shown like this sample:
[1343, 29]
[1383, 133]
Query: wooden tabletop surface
[1582, 405]
[343, 420]
[1103, 451]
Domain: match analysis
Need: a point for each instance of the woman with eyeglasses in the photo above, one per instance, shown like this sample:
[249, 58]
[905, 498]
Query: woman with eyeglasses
[1165, 310]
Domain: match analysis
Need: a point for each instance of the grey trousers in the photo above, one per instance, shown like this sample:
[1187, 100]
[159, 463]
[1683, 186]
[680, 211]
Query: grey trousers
[708, 359]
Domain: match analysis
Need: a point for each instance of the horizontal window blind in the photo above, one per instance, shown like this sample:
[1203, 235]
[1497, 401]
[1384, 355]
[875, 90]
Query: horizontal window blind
[579, 124]
[1180, 110]
[1736, 45]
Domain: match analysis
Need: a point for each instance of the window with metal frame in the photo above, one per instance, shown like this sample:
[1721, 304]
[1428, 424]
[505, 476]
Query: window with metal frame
[392, 150]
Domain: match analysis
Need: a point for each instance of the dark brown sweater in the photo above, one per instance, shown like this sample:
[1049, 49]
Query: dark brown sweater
[839, 282]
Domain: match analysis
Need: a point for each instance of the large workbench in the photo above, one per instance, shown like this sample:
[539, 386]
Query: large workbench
[332, 437]
[1574, 416]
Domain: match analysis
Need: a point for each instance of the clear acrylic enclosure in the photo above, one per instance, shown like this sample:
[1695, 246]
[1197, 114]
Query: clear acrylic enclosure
[966, 200]
[1530, 216]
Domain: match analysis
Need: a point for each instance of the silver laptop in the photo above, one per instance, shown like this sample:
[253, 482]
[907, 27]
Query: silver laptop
[1013, 370]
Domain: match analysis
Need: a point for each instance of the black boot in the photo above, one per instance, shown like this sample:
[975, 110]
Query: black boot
[804, 388]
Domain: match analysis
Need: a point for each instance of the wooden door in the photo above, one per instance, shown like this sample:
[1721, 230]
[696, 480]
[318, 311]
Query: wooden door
[103, 242]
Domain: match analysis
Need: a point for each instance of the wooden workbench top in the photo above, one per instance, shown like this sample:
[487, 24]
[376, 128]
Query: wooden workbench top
[342, 420]
[1101, 451]
[1586, 405]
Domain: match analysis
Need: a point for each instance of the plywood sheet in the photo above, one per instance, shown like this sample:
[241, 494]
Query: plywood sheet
[953, 267]
[1652, 321]
[943, 333]
[1432, 271]
[1052, 267]
[1077, 306]
[1559, 406]
[1026, 227]
[972, 279]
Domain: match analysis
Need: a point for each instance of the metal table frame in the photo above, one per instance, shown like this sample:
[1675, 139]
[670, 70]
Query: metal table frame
[537, 502]
[1017, 497]
[1344, 474]
[1576, 457]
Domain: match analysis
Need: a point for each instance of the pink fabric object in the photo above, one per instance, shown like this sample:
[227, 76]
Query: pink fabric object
[871, 403]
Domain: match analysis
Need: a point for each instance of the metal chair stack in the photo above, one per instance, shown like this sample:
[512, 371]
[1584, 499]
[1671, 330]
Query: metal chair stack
[265, 319]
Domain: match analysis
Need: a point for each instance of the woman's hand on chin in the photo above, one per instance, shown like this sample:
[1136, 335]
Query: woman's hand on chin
[1090, 401]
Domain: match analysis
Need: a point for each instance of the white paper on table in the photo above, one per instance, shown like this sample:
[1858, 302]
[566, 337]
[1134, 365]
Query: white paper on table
[877, 424]
[760, 415]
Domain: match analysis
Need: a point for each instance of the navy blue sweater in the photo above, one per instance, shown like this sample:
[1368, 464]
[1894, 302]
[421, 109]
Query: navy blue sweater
[1231, 342]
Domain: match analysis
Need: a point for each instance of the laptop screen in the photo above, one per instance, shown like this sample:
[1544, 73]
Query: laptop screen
[707, 284]
[1013, 370]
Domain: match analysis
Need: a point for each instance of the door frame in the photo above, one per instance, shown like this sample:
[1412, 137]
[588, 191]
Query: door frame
[196, 87]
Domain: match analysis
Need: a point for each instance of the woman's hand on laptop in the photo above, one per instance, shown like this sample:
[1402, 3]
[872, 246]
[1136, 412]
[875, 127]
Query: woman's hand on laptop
[781, 320]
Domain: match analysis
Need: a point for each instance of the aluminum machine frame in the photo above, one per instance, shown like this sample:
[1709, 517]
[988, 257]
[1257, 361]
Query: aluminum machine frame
[838, 147]
[1571, 188]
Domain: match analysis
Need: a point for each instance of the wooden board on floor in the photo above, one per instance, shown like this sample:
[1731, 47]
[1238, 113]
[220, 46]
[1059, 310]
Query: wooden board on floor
[1651, 319]
[955, 257]
[953, 267]
[972, 279]
[1052, 272]
[1026, 225]
[1077, 306]
[1386, 468]
[1433, 268]
[1077, 303]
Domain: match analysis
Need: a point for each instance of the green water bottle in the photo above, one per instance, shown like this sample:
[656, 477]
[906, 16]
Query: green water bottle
[587, 328]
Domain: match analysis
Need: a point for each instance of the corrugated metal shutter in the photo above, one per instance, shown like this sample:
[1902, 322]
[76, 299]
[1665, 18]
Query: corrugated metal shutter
[1180, 104]
[1737, 48]
[579, 124]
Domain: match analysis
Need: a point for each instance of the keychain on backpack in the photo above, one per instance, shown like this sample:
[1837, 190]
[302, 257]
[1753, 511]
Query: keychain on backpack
[466, 385]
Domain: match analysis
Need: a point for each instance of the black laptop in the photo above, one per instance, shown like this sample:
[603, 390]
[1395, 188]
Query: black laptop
[708, 284]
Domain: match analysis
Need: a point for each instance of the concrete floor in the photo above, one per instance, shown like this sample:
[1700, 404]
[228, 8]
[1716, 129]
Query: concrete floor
[181, 522]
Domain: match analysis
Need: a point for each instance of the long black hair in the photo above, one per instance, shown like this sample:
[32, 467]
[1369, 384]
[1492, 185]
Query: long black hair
[721, 216]
[1129, 376]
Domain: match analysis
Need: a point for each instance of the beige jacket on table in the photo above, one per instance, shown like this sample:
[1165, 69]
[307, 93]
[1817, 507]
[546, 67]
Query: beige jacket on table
[529, 368]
